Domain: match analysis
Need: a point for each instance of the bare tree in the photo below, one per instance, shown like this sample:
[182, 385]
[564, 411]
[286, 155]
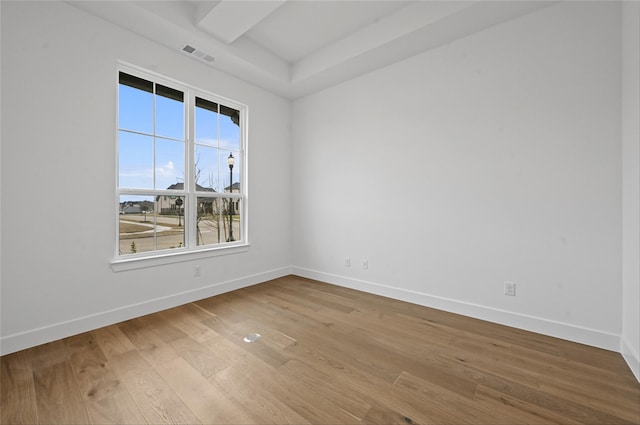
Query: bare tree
[210, 214]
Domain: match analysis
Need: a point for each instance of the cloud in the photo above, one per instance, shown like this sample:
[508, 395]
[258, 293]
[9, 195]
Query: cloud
[167, 169]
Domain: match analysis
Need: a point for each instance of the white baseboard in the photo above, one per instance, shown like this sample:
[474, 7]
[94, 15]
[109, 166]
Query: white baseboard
[539, 325]
[33, 337]
[631, 357]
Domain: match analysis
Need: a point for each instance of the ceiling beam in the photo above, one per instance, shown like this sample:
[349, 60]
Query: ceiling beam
[229, 19]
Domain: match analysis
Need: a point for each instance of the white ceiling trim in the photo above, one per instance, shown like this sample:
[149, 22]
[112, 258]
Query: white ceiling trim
[169, 25]
[410, 30]
[392, 28]
[417, 28]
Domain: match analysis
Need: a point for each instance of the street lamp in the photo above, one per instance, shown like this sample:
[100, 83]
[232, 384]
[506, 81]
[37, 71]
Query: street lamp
[231, 160]
[179, 204]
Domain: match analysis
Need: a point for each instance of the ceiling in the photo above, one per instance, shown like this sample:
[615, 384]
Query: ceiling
[297, 47]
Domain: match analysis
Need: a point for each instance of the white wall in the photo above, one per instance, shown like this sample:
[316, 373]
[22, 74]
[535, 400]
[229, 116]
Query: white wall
[58, 195]
[631, 185]
[494, 158]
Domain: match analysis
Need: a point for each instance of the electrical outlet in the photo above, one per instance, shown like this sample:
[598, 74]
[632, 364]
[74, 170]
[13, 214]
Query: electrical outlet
[510, 289]
[347, 261]
[365, 264]
[196, 271]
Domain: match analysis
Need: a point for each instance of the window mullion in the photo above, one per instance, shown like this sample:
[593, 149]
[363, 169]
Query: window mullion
[153, 172]
[189, 185]
[220, 177]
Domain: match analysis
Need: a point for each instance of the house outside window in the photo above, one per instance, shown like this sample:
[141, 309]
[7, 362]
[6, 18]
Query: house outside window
[181, 162]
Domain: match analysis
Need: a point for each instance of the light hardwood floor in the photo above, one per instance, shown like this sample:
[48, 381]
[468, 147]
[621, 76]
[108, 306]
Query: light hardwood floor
[328, 355]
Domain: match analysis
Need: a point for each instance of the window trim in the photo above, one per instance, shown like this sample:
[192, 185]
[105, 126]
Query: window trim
[170, 257]
[190, 251]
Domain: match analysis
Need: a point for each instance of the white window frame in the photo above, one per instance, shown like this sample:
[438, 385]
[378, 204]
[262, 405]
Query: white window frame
[190, 251]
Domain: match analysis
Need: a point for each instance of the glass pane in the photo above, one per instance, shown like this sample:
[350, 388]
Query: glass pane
[206, 122]
[230, 130]
[209, 229]
[135, 160]
[218, 220]
[169, 164]
[170, 222]
[231, 209]
[136, 224]
[230, 176]
[135, 109]
[169, 113]
[206, 168]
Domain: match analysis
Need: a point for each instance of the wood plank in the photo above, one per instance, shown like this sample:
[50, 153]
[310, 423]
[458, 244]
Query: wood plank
[48, 354]
[113, 341]
[462, 407]
[318, 287]
[355, 377]
[127, 362]
[117, 408]
[206, 401]
[92, 374]
[289, 314]
[226, 350]
[517, 411]
[488, 364]
[382, 416]
[563, 407]
[150, 345]
[353, 403]
[556, 366]
[274, 338]
[235, 332]
[246, 382]
[312, 405]
[203, 360]
[163, 328]
[132, 368]
[17, 389]
[597, 357]
[310, 326]
[601, 397]
[299, 402]
[187, 319]
[157, 401]
[419, 366]
[106, 399]
[222, 305]
[58, 396]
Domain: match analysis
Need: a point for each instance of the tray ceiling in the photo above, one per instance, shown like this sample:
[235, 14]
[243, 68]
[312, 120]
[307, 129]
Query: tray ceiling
[296, 47]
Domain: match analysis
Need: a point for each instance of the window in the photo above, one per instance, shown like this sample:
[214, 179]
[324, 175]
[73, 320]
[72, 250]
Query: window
[180, 166]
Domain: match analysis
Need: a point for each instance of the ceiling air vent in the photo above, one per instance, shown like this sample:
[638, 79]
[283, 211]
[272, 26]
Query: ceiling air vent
[192, 51]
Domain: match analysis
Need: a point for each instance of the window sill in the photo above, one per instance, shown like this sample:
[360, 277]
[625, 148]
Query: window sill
[129, 263]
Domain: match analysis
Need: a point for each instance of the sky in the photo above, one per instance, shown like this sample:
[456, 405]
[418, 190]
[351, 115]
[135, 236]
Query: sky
[153, 156]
